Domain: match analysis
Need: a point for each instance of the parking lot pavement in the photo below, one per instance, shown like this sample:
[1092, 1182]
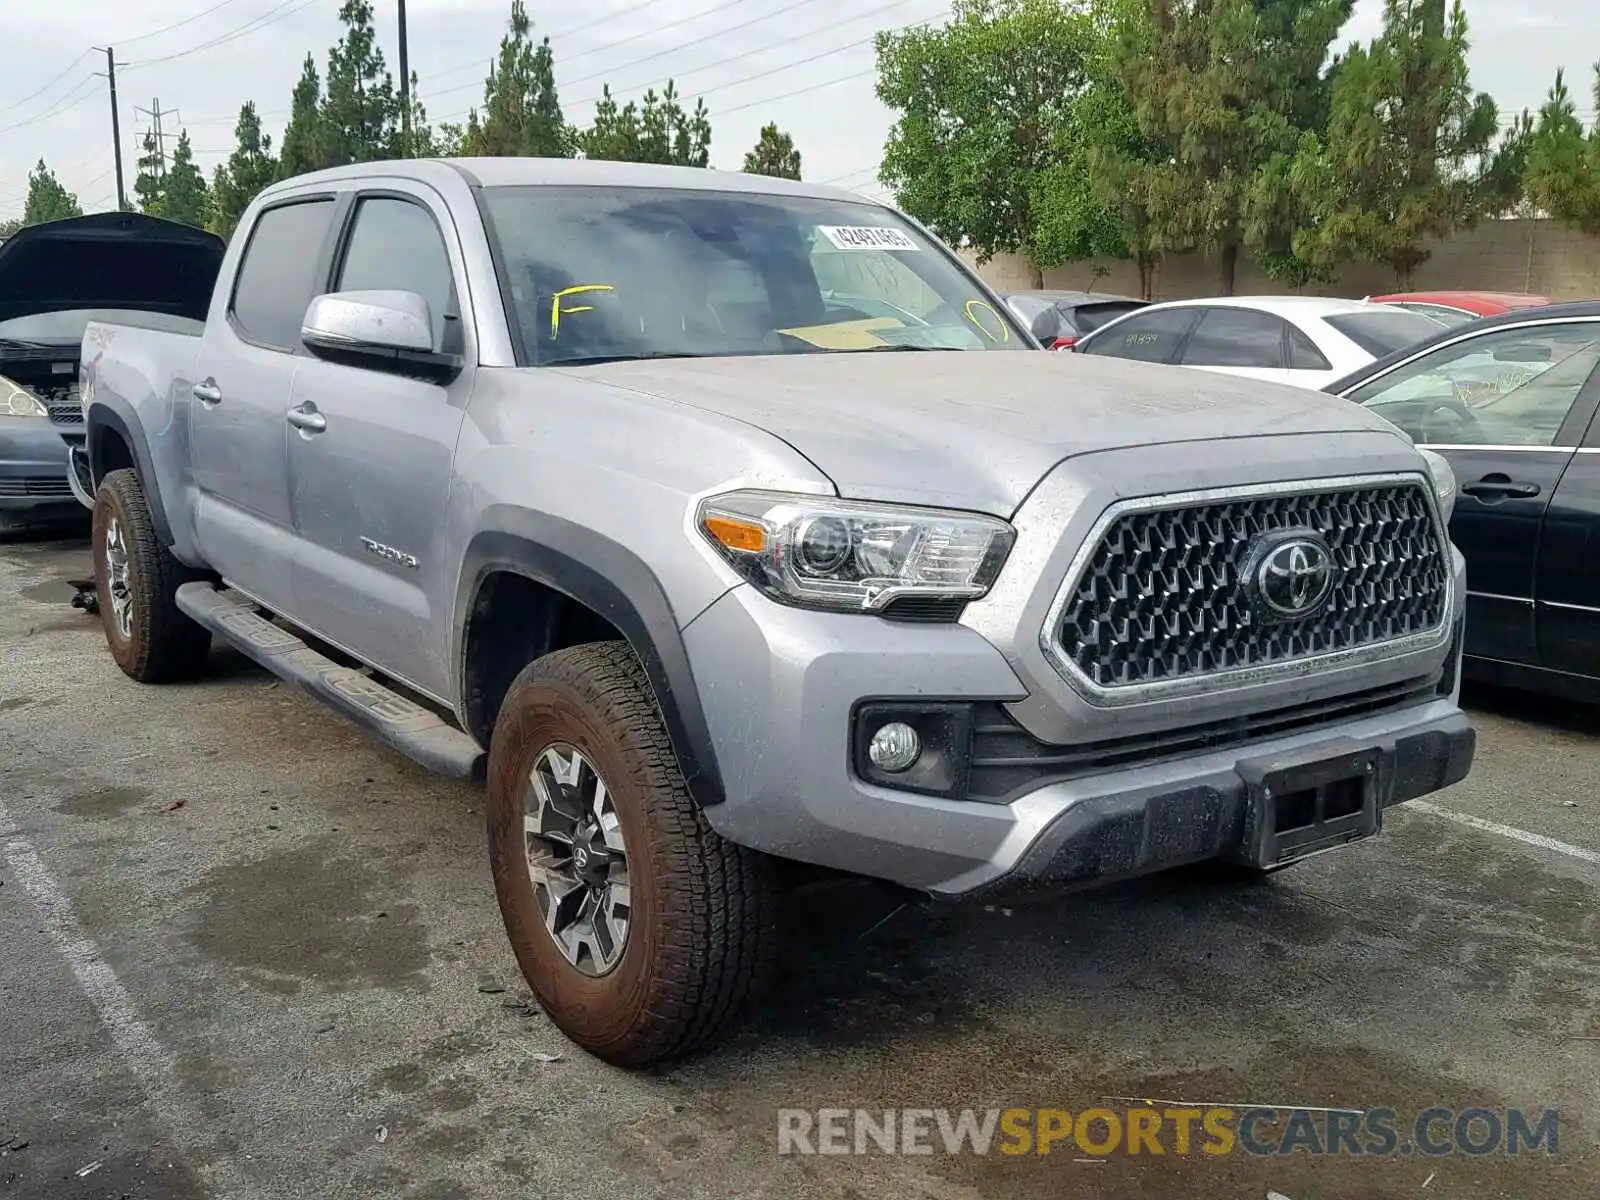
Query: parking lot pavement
[249, 952]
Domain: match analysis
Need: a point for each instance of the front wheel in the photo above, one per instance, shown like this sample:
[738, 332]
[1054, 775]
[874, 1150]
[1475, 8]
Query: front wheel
[136, 584]
[641, 932]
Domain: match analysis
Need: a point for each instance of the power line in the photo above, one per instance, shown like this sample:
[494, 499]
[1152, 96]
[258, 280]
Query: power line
[286, 8]
[567, 58]
[71, 100]
[609, 17]
[48, 86]
[154, 33]
[742, 54]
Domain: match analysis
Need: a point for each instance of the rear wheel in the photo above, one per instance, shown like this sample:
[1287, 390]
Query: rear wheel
[641, 932]
[136, 584]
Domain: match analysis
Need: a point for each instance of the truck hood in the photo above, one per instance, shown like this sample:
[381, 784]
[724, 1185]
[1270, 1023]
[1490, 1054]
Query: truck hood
[975, 430]
[109, 260]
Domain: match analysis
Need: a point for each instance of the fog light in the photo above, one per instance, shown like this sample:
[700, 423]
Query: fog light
[894, 747]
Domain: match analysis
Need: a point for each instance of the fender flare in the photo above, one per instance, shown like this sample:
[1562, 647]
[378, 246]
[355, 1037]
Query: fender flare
[102, 416]
[609, 579]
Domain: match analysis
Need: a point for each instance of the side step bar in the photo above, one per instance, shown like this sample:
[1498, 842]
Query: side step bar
[411, 729]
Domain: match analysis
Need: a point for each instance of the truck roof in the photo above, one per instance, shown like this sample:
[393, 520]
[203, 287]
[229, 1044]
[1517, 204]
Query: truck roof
[533, 172]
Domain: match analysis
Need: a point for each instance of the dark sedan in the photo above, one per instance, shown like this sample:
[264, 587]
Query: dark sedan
[1510, 403]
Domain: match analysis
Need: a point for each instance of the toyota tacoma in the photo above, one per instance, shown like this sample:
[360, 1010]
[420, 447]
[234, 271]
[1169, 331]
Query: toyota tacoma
[722, 520]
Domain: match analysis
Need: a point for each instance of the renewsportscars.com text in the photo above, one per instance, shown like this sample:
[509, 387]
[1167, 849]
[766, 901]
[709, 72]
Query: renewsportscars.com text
[1163, 1130]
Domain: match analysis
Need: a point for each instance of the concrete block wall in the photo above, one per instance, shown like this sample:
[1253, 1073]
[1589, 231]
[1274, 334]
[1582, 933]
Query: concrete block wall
[1516, 255]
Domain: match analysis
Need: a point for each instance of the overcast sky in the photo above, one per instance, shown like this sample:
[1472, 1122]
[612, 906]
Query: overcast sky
[803, 63]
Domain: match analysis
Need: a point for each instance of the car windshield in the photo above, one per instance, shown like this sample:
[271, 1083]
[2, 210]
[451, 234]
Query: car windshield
[1383, 332]
[596, 274]
[68, 326]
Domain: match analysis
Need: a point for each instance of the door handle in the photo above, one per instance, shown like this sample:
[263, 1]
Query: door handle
[1498, 487]
[307, 419]
[207, 392]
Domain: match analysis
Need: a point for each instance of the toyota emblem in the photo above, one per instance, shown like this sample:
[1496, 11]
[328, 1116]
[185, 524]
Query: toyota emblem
[1293, 577]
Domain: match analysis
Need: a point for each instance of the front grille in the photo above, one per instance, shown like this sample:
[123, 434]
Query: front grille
[1007, 760]
[1163, 596]
[66, 414]
[36, 485]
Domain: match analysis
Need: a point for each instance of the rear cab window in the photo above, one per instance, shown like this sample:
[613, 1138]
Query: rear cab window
[279, 273]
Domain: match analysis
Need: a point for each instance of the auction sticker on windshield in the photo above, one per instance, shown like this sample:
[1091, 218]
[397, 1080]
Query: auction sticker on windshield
[866, 237]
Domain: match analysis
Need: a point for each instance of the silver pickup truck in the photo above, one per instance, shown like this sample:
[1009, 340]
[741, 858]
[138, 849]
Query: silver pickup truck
[723, 520]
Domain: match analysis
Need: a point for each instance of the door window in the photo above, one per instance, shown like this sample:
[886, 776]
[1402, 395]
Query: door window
[395, 245]
[1236, 337]
[1148, 337]
[278, 275]
[1508, 387]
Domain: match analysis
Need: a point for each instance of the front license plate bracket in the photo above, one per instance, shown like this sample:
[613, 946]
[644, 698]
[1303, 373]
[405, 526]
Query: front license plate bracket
[1301, 805]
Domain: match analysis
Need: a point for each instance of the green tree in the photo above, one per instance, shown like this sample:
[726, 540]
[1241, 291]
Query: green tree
[658, 130]
[250, 168]
[47, 199]
[425, 143]
[1409, 153]
[1086, 204]
[980, 103]
[774, 154]
[185, 197]
[1218, 85]
[521, 110]
[1562, 170]
[7, 228]
[361, 110]
[305, 142]
[150, 172]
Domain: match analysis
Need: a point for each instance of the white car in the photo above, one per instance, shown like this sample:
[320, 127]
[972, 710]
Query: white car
[1305, 340]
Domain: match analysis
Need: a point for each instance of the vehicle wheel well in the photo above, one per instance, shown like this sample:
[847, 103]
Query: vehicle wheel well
[110, 453]
[514, 620]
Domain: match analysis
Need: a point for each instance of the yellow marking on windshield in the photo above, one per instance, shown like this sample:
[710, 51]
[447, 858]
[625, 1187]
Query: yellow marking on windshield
[845, 335]
[557, 310]
[971, 309]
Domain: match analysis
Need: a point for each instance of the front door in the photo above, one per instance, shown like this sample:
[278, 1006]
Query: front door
[1506, 407]
[369, 488]
[242, 382]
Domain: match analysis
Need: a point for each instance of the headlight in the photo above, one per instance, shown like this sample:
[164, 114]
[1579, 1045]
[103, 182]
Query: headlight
[854, 556]
[1444, 481]
[18, 401]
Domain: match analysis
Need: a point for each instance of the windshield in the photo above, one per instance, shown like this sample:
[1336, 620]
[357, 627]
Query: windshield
[1380, 333]
[69, 326]
[615, 273]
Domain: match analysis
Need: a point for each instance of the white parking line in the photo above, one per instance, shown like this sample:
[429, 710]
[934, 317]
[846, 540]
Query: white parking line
[99, 982]
[1508, 831]
[141, 1052]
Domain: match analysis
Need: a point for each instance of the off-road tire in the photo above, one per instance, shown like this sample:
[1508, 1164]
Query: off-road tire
[702, 930]
[163, 645]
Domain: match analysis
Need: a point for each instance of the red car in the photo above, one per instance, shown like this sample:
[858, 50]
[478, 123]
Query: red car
[1457, 308]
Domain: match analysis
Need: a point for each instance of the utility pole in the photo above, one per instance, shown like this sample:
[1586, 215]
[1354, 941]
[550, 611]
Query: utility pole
[116, 127]
[405, 87]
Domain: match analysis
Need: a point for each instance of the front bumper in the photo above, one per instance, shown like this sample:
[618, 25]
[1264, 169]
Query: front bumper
[33, 471]
[781, 688]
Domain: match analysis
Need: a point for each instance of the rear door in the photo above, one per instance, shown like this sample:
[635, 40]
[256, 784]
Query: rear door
[243, 378]
[369, 490]
[1567, 592]
[1506, 407]
[1238, 341]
